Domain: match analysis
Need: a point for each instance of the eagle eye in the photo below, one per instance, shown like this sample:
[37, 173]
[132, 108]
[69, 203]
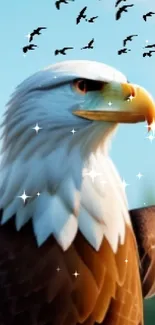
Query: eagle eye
[84, 85]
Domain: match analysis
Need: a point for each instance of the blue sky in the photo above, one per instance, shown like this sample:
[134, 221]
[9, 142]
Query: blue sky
[131, 151]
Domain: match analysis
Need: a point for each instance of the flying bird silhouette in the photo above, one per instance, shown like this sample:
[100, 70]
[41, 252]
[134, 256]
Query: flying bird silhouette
[91, 20]
[118, 2]
[36, 32]
[124, 50]
[81, 15]
[62, 51]
[149, 46]
[128, 38]
[58, 3]
[89, 45]
[148, 53]
[29, 47]
[122, 9]
[149, 14]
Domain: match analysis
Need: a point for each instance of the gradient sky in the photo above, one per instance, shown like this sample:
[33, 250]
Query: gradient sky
[131, 151]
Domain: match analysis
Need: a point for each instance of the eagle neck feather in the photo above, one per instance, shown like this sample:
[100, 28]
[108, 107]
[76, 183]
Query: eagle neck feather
[54, 164]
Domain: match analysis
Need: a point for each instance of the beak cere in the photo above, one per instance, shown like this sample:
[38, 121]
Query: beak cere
[136, 105]
[128, 90]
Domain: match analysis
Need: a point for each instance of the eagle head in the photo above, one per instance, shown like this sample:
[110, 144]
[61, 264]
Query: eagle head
[48, 165]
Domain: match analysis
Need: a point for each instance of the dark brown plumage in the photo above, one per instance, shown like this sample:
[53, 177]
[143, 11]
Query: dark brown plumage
[34, 292]
[143, 221]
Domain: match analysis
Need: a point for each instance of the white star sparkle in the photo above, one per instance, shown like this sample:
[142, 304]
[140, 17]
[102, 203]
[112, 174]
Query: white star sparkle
[24, 196]
[37, 128]
[76, 274]
[151, 126]
[110, 103]
[124, 183]
[139, 175]
[126, 261]
[28, 36]
[130, 98]
[150, 137]
[38, 194]
[92, 174]
[73, 131]
[58, 269]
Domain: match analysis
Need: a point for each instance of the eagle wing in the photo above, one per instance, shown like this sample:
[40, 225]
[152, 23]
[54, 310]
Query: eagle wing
[143, 221]
[41, 285]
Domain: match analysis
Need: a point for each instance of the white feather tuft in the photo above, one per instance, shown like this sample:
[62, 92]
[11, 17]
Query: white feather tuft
[91, 229]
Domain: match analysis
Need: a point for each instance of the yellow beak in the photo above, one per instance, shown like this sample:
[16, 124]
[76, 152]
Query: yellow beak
[136, 105]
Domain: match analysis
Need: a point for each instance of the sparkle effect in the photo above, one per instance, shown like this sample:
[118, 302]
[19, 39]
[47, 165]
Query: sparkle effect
[110, 103]
[150, 137]
[76, 274]
[126, 261]
[58, 269]
[73, 131]
[124, 184]
[38, 194]
[37, 128]
[28, 36]
[139, 175]
[92, 174]
[24, 196]
[130, 98]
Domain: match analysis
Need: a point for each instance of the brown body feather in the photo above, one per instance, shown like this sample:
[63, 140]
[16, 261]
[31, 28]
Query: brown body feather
[143, 221]
[32, 291]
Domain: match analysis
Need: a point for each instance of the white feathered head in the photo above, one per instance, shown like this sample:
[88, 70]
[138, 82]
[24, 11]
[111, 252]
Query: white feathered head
[89, 97]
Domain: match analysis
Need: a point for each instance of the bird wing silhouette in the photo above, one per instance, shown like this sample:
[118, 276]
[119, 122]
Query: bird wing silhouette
[31, 37]
[40, 28]
[67, 48]
[118, 13]
[91, 42]
[125, 41]
[83, 10]
[57, 3]
[118, 2]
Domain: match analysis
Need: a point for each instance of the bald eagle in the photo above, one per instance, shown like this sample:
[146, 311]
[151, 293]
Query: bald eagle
[70, 253]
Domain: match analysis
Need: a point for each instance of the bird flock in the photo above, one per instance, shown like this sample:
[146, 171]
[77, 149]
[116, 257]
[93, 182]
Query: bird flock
[83, 16]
